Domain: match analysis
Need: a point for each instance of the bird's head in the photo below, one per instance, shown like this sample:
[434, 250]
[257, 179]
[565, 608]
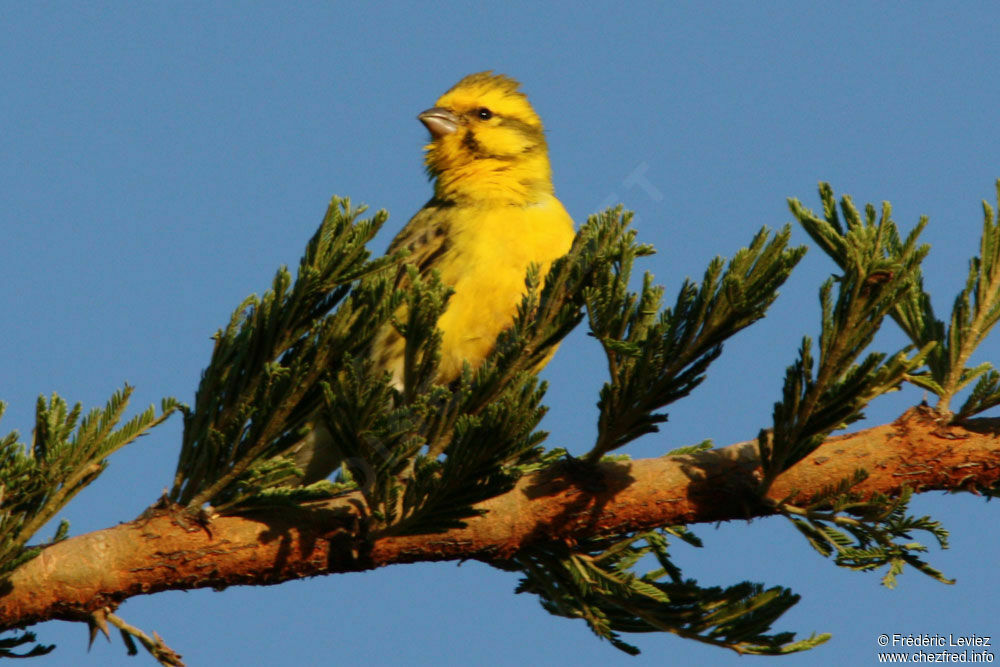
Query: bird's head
[486, 142]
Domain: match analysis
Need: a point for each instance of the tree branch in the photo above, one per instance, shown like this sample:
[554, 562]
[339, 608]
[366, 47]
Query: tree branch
[164, 550]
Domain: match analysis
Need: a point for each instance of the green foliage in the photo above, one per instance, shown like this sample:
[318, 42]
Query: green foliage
[975, 311]
[881, 275]
[985, 395]
[479, 460]
[702, 446]
[18, 640]
[263, 379]
[421, 455]
[865, 534]
[425, 457]
[378, 430]
[594, 581]
[66, 454]
[878, 273]
[655, 356]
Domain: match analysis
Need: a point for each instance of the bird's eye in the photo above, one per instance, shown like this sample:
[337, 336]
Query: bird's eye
[483, 113]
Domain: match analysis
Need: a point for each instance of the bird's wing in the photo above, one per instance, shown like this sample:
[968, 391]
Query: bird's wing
[426, 237]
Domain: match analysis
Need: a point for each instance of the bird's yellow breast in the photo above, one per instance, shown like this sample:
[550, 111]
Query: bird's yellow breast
[487, 263]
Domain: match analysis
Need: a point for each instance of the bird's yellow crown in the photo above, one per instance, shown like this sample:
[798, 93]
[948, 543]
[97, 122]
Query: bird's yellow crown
[489, 143]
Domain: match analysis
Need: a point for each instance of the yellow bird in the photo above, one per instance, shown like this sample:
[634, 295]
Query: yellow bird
[493, 213]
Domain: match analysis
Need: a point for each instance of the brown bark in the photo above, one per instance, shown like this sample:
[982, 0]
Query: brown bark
[162, 550]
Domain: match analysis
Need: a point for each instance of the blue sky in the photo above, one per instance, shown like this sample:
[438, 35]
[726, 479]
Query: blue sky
[160, 161]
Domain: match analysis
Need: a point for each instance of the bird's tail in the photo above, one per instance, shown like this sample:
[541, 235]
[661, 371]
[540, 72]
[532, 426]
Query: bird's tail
[316, 454]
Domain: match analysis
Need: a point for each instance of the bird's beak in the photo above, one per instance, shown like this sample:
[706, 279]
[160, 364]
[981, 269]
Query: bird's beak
[438, 121]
